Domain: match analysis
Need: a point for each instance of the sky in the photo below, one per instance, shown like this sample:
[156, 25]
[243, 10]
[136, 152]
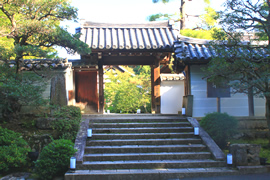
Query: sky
[129, 11]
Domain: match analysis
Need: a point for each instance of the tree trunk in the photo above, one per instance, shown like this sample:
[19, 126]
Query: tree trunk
[267, 115]
[183, 14]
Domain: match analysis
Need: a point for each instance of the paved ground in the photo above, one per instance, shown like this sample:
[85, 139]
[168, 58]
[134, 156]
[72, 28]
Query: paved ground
[265, 176]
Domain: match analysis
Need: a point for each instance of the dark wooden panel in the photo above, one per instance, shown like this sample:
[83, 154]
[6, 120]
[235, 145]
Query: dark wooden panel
[128, 60]
[215, 91]
[86, 89]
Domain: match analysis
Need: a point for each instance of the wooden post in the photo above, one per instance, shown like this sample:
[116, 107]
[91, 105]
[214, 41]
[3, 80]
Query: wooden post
[250, 102]
[187, 81]
[101, 88]
[155, 87]
[218, 104]
[153, 105]
[74, 87]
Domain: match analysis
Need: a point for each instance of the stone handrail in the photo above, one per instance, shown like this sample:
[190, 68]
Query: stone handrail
[80, 141]
[208, 141]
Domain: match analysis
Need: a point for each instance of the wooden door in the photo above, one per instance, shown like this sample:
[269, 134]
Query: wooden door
[86, 90]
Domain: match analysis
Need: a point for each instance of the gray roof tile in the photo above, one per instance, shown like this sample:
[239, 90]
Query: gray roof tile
[148, 36]
[194, 50]
[188, 49]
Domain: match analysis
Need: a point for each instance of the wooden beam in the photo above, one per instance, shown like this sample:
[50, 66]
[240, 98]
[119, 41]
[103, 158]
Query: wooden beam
[128, 60]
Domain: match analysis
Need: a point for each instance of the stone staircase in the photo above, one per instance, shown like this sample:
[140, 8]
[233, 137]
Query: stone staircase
[145, 147]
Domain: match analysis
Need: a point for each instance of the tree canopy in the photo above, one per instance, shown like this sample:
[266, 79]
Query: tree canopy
[245, 66]
[32, 28]
[204, 29]
[126, 92]
[245, 61]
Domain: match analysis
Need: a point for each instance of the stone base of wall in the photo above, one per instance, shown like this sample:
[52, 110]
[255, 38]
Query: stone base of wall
[245, 154]
[251, 127]
[38, 141]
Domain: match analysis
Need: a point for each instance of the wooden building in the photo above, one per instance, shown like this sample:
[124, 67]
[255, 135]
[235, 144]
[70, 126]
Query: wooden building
[153, 44]
[121, 44]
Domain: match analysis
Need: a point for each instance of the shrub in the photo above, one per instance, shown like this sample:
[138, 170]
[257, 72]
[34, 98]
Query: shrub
[13, 150]
[17, 90]
[220, 126]
[67, 122]
[54, 159]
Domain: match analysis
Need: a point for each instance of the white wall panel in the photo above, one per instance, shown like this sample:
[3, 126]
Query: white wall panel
[171, 93]
[236, 105]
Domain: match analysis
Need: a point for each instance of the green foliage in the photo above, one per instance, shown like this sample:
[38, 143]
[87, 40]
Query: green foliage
[17, 90]
[200, 34]
[245, 65]
[220, 126]
[246, 16]
[32, 28]
[54, 159]
[164, 1]
[209, 19]
[242, 70]
[159, 16]
[212, 34]
[207, 29]
[126, 92]
[13, 150]
[67, 122]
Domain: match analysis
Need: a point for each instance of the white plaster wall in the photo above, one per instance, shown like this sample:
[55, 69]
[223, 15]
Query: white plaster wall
[236, 105]
[69, 83]
[171, 93]
[259, 106]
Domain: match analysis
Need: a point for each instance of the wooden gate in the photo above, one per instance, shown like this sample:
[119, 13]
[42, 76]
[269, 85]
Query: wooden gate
[86, 90]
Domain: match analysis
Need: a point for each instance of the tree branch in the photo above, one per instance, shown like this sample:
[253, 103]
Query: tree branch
[10, 18]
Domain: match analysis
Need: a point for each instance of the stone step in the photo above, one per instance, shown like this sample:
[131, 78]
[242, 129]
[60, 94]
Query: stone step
[147, 156]
[145, 148]
[142, 135]
[154, 164]
[143, 130]
[139, 120]
[133, 125]
[148, 174]
[121, 142]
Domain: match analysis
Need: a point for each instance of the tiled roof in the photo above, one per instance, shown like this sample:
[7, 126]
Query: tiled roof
[172, 77]
[148, 36]
[194, 50]
[30, 64]
[187, 49]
